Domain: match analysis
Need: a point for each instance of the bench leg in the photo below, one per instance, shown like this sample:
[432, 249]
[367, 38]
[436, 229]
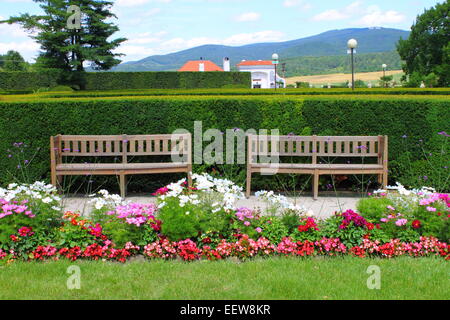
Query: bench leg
[385, 180]
[122, 186]
[249, 184]
[190, 179]
[316, 185]
[380, 179]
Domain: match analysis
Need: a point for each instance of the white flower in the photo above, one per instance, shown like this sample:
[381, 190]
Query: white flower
[47, 200]
[309, 213]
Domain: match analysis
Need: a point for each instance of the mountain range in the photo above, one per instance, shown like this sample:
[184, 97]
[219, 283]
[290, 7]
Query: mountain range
[330, 43]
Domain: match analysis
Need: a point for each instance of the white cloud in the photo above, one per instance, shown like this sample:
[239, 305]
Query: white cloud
[330, 15]
[370, 16]
[376, 17]
[136, 3]
[248, 17]
[297, 3]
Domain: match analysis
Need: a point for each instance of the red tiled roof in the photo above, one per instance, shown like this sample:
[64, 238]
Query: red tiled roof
[194, 66]
[255, 63]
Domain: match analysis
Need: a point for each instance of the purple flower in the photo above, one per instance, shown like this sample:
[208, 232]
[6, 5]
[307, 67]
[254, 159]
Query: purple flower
[443, 133]
[404, 136]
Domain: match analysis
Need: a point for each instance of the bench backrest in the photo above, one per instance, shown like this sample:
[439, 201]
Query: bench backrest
[122, 145]
[317, 146]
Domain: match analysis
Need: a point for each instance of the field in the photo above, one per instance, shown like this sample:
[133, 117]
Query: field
[276, 278]
[341, 77]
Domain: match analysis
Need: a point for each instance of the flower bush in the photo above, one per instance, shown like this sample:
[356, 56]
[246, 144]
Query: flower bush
[34, 205]
[203, 222]
[409, 214]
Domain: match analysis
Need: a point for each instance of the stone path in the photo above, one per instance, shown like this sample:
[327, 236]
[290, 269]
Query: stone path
[322, 208]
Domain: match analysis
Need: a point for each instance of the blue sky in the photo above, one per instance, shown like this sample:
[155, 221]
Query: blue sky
[164, 26]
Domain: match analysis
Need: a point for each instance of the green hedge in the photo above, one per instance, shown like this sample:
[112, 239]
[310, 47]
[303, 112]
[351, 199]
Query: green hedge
[128, 80]
[166, 80]
[18, 81]
[440, 92]
[34, 122]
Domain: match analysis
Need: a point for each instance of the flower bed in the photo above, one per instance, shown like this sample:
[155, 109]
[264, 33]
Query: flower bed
[204, 223]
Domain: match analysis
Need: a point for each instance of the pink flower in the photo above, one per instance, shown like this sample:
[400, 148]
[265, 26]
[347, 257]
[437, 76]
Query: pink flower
[391, 208]
[431, 209]
[246, 223]
[259, 230]
[401, 222]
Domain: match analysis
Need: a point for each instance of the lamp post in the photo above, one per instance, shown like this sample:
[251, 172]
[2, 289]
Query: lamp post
[352, 44]
[384, 66]
[275, 62]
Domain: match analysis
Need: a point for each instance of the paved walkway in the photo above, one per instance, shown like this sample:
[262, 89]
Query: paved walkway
[322, 208]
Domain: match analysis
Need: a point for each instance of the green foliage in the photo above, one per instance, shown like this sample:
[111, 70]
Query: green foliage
[61, 89]
[300, 84]
[366, 62]
[165, 80]
[385, 81]
[120, 232]
[13, 61]
[29, 80]
[190, 221]
[426, 51]
[350, 236]
[273, 229]
[373, 208]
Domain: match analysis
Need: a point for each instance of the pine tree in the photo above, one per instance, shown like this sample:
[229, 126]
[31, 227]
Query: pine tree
[71, 50]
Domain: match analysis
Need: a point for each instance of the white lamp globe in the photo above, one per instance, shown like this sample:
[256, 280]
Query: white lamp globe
[275, 57]
[352, 44]
[384, 66]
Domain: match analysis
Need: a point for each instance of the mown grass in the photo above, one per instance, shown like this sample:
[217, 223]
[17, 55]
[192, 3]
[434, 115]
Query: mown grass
[275, 278]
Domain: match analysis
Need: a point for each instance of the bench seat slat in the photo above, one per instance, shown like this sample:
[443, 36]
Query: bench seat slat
[318, 166]
[117, 166]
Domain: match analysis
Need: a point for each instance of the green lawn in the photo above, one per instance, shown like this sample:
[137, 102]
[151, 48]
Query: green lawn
[275, 278]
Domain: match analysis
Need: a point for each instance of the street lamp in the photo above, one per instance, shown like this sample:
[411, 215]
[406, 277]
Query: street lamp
[352, 44]
[384, 66]
[275, 62]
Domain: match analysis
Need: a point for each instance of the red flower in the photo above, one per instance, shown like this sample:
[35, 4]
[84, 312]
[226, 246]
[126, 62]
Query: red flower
[14, 238]
[416, 224]
[26, 231]
[370, 226]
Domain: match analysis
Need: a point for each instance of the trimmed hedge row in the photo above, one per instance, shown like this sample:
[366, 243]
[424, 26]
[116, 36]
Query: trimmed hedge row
[34, 122]
[128, 80]
[246, 92]
[166, 80]
[29, 80]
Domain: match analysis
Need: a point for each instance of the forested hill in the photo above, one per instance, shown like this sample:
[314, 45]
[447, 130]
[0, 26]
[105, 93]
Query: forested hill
[366, 62]
[330, 43]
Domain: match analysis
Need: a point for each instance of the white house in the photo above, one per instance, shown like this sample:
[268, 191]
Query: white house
[263, 74]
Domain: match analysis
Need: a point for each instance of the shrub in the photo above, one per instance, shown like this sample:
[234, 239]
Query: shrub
[29, 80]
[166, 80]
[36, 206]
[34, 122]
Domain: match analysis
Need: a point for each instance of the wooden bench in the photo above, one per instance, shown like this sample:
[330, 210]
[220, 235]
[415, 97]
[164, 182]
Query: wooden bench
[123, 147]
[314, 148]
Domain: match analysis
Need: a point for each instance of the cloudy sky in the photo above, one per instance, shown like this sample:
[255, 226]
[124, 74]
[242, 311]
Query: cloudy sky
[164, 26]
